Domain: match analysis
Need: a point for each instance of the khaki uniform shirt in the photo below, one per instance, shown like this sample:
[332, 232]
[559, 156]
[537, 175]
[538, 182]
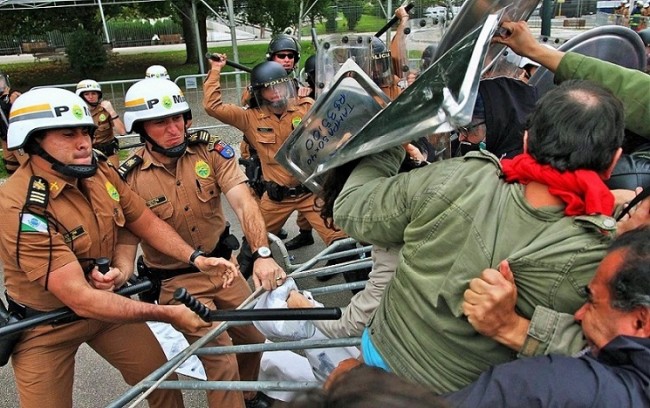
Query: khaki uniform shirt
[264, 130]
[83, 224]
[189, 200]
[104, 132]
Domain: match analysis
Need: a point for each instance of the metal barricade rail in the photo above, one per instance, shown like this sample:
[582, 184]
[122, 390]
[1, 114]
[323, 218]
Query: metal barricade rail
[157, 378]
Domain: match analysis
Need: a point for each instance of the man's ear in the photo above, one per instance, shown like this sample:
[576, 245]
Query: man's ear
[642, 321]
[607, 173]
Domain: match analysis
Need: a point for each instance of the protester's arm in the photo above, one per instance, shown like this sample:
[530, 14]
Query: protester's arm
[629, 85]
[518, 37]
[489, 304]
[538, 382]
[369, 191]
[265, 270]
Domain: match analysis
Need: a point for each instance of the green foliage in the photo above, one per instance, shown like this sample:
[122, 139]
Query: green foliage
[330, 25]
[352, 10]
[366, 24]
[86, 53]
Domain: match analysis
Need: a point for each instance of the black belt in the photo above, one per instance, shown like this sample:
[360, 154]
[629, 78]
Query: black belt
[25, 312]
[278, 192]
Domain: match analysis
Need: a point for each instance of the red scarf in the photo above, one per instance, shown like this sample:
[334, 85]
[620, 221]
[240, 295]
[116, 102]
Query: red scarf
[583, 191]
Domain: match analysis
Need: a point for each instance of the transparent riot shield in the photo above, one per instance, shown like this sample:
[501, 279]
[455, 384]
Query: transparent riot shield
[421, 45]
[616, 44]
[441, 99]
[334, 51]
[351, 100]
[473, 12]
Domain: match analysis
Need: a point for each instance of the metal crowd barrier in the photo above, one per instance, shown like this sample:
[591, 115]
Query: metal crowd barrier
[157, 378]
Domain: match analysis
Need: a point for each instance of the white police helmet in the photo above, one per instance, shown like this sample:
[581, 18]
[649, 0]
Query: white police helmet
[88, 85]
[157, 71]
[45, 108]
[153, 98]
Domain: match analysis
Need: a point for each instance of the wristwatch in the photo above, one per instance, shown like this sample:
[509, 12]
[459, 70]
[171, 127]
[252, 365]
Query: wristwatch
[197, 253]
[262, 252]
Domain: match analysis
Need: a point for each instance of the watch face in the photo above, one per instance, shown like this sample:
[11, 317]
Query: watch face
[264, 252]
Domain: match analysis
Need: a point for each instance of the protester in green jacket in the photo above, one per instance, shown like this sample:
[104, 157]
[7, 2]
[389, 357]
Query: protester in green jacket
[547, 212]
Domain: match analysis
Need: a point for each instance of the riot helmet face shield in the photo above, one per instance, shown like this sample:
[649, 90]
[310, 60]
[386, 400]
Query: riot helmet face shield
[381, 69]
[275, 94]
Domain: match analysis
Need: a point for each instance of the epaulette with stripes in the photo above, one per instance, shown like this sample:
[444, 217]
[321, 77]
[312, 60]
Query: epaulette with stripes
[128, 165]
[38, 193]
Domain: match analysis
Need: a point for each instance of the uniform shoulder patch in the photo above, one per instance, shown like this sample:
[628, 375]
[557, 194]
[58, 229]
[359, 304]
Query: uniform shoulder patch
[224, 149]
[128, 165]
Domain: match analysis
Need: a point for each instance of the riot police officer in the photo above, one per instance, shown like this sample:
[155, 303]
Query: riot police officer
[63, 209]
[107, 120]
[182, 180]
[275, 111]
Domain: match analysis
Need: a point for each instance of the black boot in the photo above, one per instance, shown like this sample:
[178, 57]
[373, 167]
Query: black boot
[260, 401]
[304, 238]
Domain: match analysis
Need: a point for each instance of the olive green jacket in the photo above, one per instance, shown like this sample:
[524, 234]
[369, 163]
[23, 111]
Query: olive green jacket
[454, 219]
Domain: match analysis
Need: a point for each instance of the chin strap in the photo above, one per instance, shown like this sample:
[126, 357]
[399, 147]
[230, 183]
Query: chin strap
[79, 171]
[175, 151]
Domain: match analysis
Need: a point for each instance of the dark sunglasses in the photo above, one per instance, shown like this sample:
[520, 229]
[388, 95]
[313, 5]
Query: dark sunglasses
[283, 56]
[465, 130]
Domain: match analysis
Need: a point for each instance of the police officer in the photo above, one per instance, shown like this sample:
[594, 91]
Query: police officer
[156, 71]
[12, 159]
[63, 209]
[285, 50]
[274, 113]
[182, 178]
[107, 120]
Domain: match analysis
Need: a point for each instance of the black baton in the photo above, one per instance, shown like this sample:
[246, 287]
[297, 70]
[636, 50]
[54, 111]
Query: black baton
[65, 312]
[392, 21]
[217, 58]
[245, 315]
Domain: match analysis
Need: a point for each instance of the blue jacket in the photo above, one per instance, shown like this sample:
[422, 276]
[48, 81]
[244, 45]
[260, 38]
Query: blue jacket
[618, 377]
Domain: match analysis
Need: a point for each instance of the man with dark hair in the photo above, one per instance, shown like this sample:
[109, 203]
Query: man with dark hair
[616, 323]
[547, 211]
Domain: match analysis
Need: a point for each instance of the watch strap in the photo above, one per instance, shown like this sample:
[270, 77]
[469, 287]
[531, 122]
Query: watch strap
[197, 253]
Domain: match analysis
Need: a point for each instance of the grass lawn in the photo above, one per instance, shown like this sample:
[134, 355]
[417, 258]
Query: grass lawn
[367, 24]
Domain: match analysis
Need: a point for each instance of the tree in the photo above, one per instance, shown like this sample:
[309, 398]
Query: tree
[86, 53]
[352, 10]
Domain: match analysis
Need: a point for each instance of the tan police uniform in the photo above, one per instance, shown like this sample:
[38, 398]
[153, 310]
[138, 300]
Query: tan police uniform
[82, 224]
[12, 158]
[104, 138]
[245, 152]
[267, 132]
[189, 199]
